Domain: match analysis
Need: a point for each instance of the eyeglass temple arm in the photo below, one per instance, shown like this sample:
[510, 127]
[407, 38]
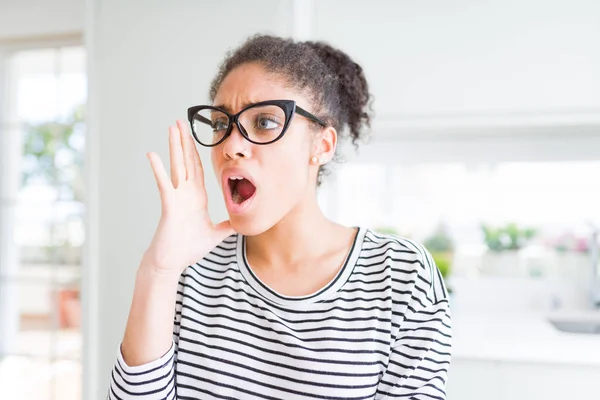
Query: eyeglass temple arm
[203, 119]
[310, 116]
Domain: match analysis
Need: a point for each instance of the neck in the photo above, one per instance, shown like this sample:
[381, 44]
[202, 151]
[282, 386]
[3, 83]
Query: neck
[303, 234]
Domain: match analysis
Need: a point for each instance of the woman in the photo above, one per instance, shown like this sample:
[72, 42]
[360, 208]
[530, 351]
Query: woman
[278, 302]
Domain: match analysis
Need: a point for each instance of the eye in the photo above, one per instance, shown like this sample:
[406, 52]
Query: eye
[267, 122]
[219, 124]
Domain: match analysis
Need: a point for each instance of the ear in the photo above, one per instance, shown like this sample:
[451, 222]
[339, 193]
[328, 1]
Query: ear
[324, 145]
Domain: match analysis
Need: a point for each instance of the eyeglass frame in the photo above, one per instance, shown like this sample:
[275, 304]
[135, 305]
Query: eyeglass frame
[289, 107]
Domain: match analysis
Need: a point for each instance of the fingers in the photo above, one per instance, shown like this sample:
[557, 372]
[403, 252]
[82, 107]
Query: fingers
[160, 174]
[178, 171]
[198, 168]
[189, 148]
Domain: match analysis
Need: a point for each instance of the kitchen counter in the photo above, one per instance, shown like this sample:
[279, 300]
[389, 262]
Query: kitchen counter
[522, 337]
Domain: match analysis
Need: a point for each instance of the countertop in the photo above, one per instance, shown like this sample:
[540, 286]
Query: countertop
[522, 337]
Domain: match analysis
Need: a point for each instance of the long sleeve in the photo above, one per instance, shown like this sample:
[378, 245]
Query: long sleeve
[151, 381]
[420, 355]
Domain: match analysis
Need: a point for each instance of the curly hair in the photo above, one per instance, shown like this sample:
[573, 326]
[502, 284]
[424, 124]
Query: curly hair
[333, 82]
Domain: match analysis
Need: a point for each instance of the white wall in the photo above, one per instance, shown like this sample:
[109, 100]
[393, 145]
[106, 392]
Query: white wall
[437, 59]
[426, 61]
[38, 18]
[149, 61]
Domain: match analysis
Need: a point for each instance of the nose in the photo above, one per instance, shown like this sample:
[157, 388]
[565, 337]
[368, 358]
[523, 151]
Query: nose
[235, 146]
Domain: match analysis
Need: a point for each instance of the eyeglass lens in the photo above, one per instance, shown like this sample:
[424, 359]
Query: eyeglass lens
[261, 124]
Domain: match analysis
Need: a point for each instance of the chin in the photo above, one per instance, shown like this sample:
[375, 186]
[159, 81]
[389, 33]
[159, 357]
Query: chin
[248, 226]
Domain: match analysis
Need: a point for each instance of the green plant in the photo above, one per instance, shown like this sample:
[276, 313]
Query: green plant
[508, 237]
[387, 230]
[439, 241]
[441, 247]
[53, 154]
[443, 262]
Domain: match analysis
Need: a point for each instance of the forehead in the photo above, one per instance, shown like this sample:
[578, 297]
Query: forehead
[251, 83]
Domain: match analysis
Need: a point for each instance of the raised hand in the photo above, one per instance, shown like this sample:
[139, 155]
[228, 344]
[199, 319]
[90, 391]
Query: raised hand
[185, 233]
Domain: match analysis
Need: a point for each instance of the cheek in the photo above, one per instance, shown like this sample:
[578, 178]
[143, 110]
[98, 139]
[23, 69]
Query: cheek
[290, 168]
[215, 160]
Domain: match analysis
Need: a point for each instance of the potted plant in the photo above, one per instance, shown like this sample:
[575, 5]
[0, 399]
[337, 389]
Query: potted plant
[441, 247]
[572, 259]
[503, 246]
[68, 304]
[386, 230]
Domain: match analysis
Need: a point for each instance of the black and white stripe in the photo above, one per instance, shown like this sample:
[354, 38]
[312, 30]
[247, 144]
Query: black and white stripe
[379, 330]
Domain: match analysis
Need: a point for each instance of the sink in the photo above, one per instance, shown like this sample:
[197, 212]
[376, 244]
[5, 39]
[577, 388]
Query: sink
[577, 322]
[589, 327]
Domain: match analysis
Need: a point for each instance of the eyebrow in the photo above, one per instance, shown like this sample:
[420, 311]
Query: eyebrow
[244, 105]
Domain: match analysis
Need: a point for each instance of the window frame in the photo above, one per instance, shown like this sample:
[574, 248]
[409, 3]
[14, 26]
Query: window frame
[8, 196]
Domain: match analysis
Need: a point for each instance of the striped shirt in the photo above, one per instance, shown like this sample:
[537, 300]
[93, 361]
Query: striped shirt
[379, 330]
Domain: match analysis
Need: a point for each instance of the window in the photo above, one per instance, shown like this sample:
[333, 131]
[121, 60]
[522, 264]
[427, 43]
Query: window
[41, 223]
[557, 202]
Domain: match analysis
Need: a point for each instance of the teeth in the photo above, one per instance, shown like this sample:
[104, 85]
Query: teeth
[236, 177]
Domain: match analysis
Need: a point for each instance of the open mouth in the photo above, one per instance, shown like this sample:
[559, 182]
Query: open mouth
[241, 189]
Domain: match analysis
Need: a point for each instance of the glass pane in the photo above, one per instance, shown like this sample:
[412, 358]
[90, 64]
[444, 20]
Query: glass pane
[48, 83]
[72, 80]
[27, 312]
[210, 126]
[25, 378]
[556, 202]
[39, 320]
[49, 234]
[35, 378]
[33, 73]
[264, 123]
[68, 378]
[43, 233]
[553, 197]
[362, 195]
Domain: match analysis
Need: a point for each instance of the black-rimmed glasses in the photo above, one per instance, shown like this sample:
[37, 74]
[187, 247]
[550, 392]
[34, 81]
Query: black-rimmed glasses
[260, 123]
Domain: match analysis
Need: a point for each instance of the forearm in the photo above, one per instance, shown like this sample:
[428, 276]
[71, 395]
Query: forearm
[149, 331]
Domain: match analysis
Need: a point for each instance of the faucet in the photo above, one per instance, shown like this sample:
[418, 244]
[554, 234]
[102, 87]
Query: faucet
[595, 259]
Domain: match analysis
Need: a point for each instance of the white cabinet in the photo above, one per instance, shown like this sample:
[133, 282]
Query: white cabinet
[548, 382]
[491, 380]
[470, 380]
[468, 60]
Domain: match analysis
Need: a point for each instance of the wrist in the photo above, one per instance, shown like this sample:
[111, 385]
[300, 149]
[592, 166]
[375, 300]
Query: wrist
[157, 276]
